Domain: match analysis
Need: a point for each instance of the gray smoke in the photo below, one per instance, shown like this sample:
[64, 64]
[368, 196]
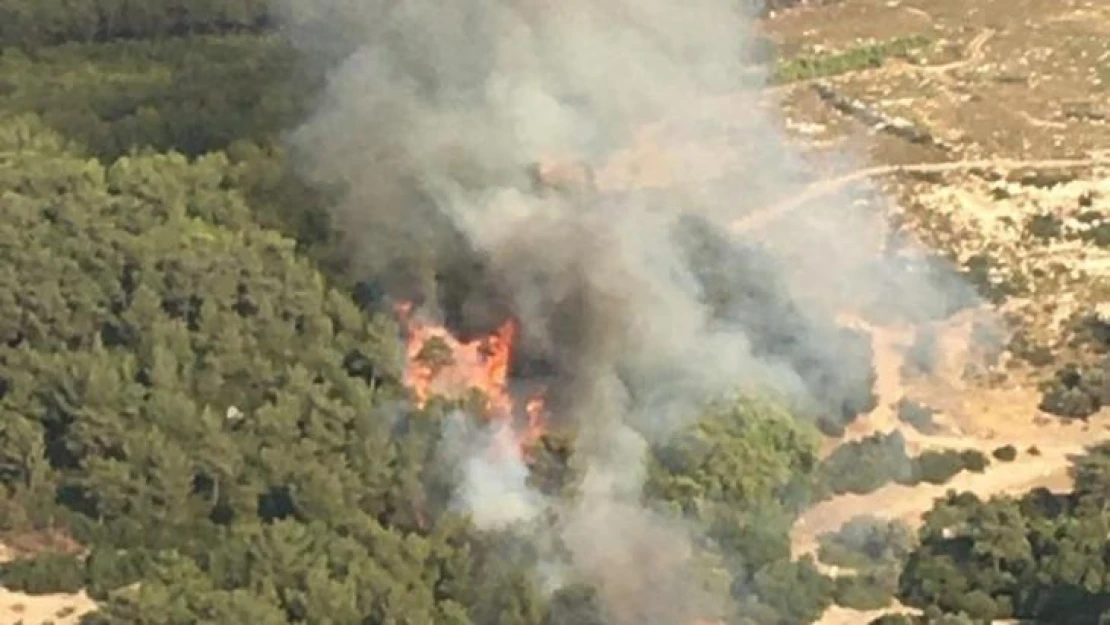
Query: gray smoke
[434, 114]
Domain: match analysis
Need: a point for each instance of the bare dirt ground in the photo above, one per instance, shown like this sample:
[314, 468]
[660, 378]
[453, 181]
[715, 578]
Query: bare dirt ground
[1013, 90]
[60, 609]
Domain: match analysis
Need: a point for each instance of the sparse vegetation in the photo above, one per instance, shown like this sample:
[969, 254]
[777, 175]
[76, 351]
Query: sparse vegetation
[823, 65]
[985, 273]
[1023, 346]
[1045, 226]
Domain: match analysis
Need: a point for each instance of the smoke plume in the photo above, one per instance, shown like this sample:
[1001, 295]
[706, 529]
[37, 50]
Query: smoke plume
[635, 293]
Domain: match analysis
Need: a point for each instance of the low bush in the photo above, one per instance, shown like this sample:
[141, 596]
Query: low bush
[863, 466]
[937, 467]
[863, 57]
[872, 590]
[866, 465]
[1077, 392]
[47, 573]
[919, 416]
[974, 460]
[866, 541]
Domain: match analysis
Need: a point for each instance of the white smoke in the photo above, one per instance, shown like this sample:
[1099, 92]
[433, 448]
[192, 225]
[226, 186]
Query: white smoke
[494, 488]
[434, 113]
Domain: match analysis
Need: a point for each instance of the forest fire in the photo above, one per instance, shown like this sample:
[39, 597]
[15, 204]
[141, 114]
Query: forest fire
[438, 363]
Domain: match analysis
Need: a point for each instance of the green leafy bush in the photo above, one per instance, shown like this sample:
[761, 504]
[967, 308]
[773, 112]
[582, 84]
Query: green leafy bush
[47, 573]
[870, 463]
[862, 57]
[938, 467]
[870, 590]
[867, 464]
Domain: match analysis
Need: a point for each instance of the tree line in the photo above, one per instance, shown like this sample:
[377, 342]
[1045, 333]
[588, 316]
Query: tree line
[28, 23]
[187, 397]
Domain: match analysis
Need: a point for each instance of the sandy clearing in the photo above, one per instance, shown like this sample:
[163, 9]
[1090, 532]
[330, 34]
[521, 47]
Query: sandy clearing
[59, 609]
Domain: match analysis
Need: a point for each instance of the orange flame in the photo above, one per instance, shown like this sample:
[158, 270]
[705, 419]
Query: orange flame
[438, 363]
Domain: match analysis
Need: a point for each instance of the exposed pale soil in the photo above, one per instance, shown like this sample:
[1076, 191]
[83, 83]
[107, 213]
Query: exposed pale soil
[1013, 87]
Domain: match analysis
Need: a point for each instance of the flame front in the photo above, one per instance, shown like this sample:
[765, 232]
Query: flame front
[438, 363]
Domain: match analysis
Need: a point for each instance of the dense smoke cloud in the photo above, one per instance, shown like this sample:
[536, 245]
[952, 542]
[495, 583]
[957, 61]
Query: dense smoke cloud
[432, 119]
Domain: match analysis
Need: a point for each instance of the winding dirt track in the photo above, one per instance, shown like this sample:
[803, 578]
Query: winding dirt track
[1058, 443]
[831, 185]
[973, 54]
[908, 503]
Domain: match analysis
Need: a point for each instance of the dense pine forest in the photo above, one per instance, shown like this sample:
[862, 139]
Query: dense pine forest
[202, 410]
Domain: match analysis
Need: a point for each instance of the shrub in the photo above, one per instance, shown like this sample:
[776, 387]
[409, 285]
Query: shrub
[1098, 234]
[1006, 453]
[1024, 347]
[47, 573]
[1075, 392]
[110, 569]
[937, 467]
[866, 465]
[866, 591]
[797, 591]
[918, 416]
[1068, 402]
[979, 604]
[974, 460]
[866, 541]
[1045, 226]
